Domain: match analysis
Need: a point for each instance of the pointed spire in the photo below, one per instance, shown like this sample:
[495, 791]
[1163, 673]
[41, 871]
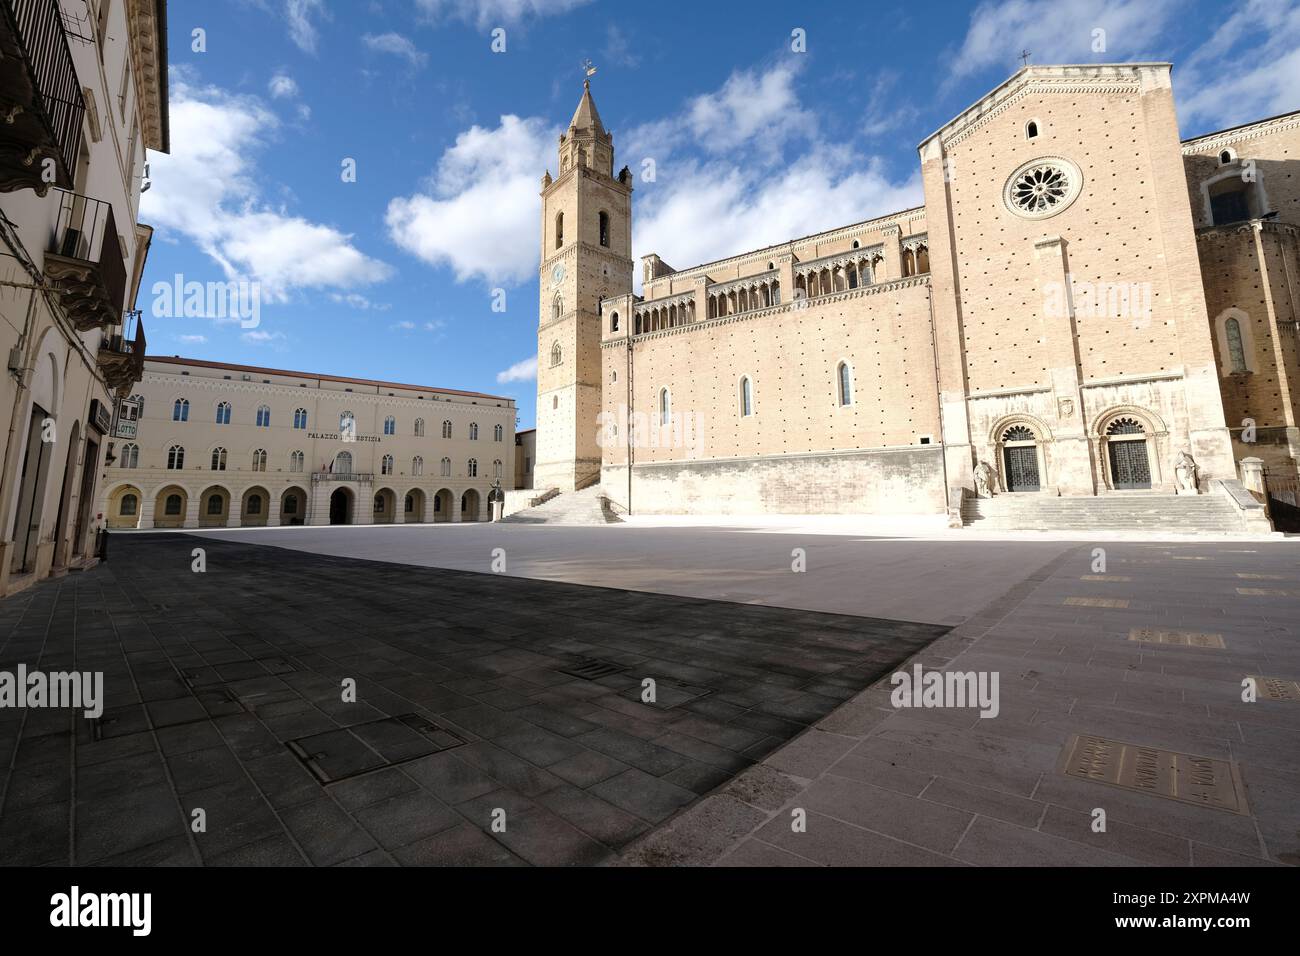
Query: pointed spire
[586, 117]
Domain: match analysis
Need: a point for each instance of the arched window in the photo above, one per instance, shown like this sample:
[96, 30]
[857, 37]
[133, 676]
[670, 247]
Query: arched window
[181, 410]
[417, 466]
[176, 458]
[557, 306]
[390, 425]
[613, 321]
[130, 456]
[471, 468]
[223, 413]
[473, 431]
[419, 428]
[216, 504]
[746, 397]
[845, 375]
[1018, 433]
[446, 429]
[263, 416]
[1031, 129]
[172, 506]
[386, 465]
[130, 503]
[1226, 157]
[259, 459]
[300, 418]
[556, 355]
[665, 407]
[410, 504]
[496, 468]
[559, 229]
[254, 504]
[296, 460]
[218, 459]
[498, 433]
[604, 229]
[348, 426]
[444, 468]
[343, 463]
[1236, 351]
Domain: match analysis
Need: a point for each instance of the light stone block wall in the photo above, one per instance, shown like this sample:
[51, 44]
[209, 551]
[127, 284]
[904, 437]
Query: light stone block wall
[879, 481]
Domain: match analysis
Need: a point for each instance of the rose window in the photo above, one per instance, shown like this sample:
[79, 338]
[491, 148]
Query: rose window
[1042, 188]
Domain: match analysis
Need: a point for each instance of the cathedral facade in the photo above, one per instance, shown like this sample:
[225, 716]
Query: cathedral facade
[1084, 306]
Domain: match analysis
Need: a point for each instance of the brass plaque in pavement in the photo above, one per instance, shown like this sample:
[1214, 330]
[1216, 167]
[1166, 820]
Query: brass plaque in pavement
[1187, 778]
[1276, 688]
[1147, 635]
[1264, 592]
[1095, 602]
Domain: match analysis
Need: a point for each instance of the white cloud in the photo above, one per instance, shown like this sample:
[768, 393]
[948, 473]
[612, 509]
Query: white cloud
[260, 337]
[356, 300]
[1248, 70]
[480, 216]
[711, 210]
[493, 13]
[300, 14]
[282, 86]
[192, 339]
[405, 325]
[524, 371]
[207, 189]
[1059, 31]
[397, 45]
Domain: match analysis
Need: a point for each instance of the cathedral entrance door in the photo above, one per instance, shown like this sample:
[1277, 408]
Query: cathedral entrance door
[1021, 468]
[1129, 467]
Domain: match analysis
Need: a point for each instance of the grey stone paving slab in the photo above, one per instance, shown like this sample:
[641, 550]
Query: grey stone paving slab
[224, 695]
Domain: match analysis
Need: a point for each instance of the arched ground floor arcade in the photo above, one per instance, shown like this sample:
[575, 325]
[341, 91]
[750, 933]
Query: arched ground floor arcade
[134, 501]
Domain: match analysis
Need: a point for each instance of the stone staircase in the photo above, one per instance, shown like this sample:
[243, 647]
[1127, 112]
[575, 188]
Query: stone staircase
[1165, 514]
[584, 507]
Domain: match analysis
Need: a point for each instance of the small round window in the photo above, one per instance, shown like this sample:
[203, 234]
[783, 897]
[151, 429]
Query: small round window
[1042, 188]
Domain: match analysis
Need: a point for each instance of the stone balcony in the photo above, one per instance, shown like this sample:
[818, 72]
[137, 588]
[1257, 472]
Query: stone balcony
[84, 262]
[41, 105]
[121, 355]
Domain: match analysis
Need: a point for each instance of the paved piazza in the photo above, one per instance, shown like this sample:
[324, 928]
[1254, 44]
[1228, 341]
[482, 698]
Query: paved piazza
[499, 717]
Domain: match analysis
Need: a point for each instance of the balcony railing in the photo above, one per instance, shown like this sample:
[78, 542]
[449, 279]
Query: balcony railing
[357, 476]
[121, 355]
[84, 259]
[41, 105]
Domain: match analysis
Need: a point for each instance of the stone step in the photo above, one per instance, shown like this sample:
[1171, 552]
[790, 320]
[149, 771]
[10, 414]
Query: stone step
[1170, 513]
[581, 507]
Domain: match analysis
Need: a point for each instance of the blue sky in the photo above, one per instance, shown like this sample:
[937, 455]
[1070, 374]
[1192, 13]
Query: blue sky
[392, 276]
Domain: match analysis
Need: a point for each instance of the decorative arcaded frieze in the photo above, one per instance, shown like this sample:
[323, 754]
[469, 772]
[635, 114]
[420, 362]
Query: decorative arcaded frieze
[840, 259]
[797, 305]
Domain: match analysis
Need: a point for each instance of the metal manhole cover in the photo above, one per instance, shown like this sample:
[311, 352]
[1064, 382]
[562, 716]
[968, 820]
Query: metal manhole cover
[592, 669]
[1200, 781]
[349, 751]
[1147, 635]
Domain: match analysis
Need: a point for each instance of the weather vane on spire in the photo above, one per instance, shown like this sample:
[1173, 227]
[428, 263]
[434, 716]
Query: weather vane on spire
[1024, 57]
[588, 71]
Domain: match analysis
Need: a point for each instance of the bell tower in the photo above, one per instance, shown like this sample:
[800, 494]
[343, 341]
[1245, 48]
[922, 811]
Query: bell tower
[586, 257]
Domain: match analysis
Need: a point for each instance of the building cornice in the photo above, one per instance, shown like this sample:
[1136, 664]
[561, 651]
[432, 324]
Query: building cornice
[146, 24]
[1212, 142]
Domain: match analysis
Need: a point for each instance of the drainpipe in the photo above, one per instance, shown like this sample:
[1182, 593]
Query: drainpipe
[938, 393]
[628, 428]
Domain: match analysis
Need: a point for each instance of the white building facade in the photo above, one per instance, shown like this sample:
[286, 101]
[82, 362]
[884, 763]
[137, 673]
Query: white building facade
[83, 94]
[221, 445]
